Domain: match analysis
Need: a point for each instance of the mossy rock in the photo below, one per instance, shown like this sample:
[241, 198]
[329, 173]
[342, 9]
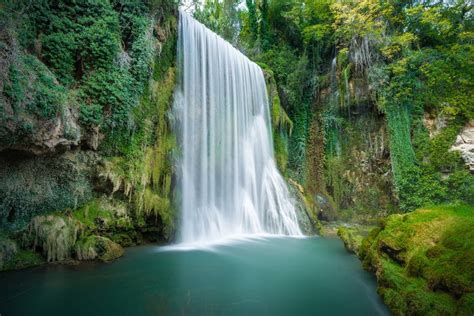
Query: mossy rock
[40, 185]
[103, 216]
[8, 250]
[423, 261]
[353, 236]
[13, 257]
[98, 248]
[307, 218]
[351, 240]
[466, 305]
[54, 235]
[128, 239]
[24, 259]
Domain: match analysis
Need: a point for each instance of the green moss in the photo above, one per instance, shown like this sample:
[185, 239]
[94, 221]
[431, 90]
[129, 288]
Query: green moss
[357, 170]
[92, 214]
[109, 218]
[97, 247]
[416, 264]
[466, 305]
[167, 56]
[126, 239]
[282, 126]
[423, 260]
[24, 259]
[353, 236]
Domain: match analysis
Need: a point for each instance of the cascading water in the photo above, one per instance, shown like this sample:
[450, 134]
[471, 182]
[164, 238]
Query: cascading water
[229, 181]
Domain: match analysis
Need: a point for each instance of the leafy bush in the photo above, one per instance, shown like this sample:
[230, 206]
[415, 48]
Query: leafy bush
[100, 42]
[110, 91]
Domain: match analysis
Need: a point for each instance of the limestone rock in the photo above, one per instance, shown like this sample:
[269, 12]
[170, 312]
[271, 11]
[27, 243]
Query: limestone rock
[465, 144]
[98, 247]
[434, 124]
[307, 218]
[326, 211]
[59, 133]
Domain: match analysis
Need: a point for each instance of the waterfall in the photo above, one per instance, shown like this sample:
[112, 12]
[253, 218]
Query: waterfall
[229, 181]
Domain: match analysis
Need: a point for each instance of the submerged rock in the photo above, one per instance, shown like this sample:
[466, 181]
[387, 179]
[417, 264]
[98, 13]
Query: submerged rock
[98, 247]
[54, 235]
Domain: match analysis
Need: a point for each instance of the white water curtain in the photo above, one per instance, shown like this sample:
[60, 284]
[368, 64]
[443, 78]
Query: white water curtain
[229, 181]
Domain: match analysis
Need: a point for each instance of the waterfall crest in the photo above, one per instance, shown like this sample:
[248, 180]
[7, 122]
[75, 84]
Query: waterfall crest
[229, 181]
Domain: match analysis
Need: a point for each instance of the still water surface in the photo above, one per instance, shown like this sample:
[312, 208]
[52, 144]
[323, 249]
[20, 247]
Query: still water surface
[263, 276]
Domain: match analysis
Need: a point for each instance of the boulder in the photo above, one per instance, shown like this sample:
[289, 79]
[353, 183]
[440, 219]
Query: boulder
[98, 248]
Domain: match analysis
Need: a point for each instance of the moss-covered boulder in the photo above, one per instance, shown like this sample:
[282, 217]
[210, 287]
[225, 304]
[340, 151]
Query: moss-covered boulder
[424, 261]
[352, 236]
[97, 248]
[53, 235]
[111, 218]
[104, 215]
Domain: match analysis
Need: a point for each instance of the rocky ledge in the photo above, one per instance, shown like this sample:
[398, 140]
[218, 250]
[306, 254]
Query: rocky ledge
[422, 260]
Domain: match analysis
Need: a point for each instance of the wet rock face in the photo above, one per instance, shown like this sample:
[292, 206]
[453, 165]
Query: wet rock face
[307, 218]
[465, 144]
[54, 235]
[35, 185]
[326, 211]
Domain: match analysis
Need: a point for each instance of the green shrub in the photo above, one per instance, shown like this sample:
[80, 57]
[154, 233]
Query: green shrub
[59, 51]
[100, 41]
[108, 91]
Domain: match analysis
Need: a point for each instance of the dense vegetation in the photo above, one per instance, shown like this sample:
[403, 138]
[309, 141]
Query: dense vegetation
[422, 260]
[85, 139]
[360, 81]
